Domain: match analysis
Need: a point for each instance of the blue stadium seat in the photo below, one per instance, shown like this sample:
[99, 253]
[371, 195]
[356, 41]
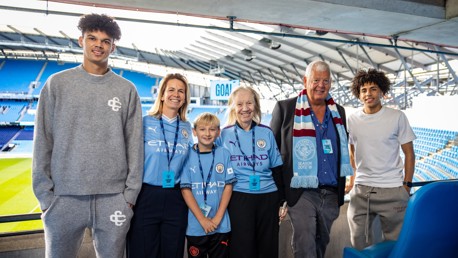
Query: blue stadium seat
[143, 82]
[51, 68]
[430, 226]
[14, 79]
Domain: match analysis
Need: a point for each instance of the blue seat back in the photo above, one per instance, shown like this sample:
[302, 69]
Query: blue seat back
[430, 226]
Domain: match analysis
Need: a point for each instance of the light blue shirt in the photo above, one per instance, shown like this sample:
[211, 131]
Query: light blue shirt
[195, 179]
[266, 156]
[156, 152]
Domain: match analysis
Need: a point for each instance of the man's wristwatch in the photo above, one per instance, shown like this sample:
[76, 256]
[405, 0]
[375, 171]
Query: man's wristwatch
[409, 184]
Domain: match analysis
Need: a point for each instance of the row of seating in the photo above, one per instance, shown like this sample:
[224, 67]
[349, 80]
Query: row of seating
[452, 153]
[11, 110]
[6, 133]
[15, 80]
[449, 171]
[434, 133]
[430, 170]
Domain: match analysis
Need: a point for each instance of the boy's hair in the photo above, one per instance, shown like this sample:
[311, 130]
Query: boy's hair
[370, 76]
[206, 118]
[100, 22]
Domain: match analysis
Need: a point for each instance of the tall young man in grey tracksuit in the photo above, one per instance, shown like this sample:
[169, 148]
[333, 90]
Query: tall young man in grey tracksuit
[88, 150]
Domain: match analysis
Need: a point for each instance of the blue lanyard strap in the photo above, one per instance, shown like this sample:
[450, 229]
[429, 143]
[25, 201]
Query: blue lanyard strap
[252, 163]
[169, 159]
[210, 171]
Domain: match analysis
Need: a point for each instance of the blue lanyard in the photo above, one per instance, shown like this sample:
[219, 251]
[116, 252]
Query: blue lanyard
[169, 159]
[210, 171]
[251, 163]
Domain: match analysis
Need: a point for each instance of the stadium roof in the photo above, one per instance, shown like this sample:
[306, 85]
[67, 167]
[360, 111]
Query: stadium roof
[263, 43]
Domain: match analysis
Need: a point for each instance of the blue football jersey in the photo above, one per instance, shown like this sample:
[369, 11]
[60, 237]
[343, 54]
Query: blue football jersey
[156, 151]
[195, 179]
[266, 156]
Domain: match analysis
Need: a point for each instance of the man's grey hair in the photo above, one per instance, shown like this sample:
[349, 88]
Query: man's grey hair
[319, 66]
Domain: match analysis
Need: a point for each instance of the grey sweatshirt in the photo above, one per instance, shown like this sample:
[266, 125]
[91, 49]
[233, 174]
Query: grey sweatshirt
[88, 137]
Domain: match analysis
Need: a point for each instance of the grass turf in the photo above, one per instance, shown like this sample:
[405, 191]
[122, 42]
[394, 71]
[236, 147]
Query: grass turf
[16, 195]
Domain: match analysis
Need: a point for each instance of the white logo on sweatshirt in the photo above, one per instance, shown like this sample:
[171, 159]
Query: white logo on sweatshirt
[118, 218]
[114, 103]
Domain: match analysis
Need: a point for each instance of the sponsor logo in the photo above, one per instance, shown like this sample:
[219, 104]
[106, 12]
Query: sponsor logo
[151, 128]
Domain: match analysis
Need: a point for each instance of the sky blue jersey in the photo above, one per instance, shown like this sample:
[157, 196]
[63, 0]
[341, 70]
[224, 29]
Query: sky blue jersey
[221, 174]
[266, 156]
[156, 161]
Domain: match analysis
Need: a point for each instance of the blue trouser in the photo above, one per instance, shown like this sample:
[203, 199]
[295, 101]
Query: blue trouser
[311, 218]
[158, 227]
[69, 215]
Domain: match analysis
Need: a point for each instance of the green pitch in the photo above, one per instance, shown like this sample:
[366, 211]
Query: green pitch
[16, 195]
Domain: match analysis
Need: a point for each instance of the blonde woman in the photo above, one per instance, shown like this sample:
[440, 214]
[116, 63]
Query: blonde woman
[253, 209]
[159, 224]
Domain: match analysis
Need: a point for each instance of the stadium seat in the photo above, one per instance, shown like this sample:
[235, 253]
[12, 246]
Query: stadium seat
[430, 226]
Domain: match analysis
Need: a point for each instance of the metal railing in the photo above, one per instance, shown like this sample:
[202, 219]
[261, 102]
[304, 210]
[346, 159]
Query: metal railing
[20, 218]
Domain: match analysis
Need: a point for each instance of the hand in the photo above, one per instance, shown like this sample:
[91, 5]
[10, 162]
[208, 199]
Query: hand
[208, 225]
[407, 189]
[348, 188]
[282, 212]
[216, 220]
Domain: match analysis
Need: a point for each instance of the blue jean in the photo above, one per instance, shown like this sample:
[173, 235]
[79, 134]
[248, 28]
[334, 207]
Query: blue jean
[311, 218]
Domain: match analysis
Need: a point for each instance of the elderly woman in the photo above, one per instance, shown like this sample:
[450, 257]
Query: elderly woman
[253, 209]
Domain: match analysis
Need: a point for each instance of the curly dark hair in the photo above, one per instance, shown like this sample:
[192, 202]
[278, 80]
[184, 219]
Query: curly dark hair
[371, 75]
[100, 22]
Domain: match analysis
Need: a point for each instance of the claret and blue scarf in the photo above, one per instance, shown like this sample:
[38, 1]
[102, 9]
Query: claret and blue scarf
[305, 159]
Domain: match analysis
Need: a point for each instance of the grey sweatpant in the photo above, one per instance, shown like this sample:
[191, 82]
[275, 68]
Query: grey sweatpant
[366, 202]
[68, 216]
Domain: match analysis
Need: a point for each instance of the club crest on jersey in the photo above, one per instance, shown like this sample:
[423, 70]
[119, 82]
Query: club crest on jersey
[219, 168]
[261, 143]
[184, 133]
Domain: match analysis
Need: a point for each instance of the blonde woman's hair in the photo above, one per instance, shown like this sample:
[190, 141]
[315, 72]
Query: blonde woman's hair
[206, 118]
[232, 116]
[156, 110]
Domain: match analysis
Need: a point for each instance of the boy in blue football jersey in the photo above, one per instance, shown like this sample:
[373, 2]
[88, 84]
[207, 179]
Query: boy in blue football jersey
[206, 185]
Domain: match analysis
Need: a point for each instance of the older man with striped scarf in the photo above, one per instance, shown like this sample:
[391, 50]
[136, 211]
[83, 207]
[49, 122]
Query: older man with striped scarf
[310, 132]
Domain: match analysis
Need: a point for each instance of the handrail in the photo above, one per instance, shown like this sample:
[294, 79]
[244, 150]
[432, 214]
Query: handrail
[20, 218]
